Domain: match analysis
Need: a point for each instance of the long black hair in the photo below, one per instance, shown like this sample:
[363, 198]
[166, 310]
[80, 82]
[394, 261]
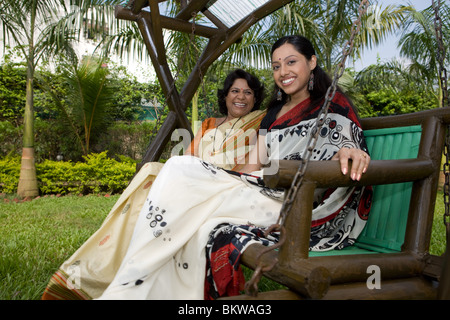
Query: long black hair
[321, 79]
[252, 81]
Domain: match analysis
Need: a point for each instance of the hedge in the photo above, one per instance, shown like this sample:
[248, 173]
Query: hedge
[97, 174]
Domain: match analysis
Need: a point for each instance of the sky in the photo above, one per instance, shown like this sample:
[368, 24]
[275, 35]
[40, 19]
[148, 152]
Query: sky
[388, 49]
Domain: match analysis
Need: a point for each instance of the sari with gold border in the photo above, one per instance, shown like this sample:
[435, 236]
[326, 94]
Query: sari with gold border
[87, 273]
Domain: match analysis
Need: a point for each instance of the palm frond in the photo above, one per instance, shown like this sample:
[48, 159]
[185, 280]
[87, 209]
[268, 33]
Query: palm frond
[90, 94]
[418, 40]
[127, 43]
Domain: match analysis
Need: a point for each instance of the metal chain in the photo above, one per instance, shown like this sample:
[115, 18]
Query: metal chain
[252, 286]
[441, 54]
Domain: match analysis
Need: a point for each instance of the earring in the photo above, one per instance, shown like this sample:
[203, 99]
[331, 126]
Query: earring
[279, 95]
[311, 82]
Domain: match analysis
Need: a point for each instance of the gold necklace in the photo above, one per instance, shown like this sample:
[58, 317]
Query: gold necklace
[213, 152]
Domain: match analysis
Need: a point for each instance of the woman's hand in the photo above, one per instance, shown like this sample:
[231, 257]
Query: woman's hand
[360, 161]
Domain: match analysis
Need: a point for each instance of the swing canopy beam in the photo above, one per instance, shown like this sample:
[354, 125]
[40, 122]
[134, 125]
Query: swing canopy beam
[405, 175]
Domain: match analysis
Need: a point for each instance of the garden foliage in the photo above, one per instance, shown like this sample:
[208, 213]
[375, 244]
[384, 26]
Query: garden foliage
[97, 174]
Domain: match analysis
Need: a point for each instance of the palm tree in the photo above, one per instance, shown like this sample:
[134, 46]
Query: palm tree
[41, 29]
[22, 22]
[418, 42]
[89, 92]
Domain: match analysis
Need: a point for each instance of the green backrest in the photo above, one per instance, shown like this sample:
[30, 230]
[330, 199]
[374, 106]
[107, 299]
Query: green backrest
[385, 229]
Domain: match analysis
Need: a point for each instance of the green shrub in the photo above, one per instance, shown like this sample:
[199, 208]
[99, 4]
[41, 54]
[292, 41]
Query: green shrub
[53, 138]
[9, 174]
[98, 174]
[130, 139]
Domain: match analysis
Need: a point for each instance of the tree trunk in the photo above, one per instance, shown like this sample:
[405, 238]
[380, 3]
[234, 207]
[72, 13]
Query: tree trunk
[27, 186]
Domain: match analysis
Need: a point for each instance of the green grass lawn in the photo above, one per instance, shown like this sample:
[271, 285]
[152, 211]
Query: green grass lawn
[37, 236]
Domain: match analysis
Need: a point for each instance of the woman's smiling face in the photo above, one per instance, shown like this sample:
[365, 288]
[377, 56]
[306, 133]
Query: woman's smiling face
[240, 99]
[291, 71]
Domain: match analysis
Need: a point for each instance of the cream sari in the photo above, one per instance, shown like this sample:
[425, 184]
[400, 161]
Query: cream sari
[88, 272]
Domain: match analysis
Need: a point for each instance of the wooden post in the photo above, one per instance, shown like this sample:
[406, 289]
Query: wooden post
[298, 226]
[423, 197]
[398, 289]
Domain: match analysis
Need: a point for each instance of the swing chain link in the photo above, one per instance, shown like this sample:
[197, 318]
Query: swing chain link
[446, 187]
[441, 54]
[251, 287]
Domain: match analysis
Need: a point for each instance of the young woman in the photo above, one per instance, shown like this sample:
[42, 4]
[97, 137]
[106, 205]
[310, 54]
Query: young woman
[298, 79]
[340, 214]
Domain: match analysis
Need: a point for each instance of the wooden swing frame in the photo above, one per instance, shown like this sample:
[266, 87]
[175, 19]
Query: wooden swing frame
[410, 274]
[220, 38]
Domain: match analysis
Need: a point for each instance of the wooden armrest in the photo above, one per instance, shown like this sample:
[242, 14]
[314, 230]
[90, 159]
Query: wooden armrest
[328, 173]
[294, 269]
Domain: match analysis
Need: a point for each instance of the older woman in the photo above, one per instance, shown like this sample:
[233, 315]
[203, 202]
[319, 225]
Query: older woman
[226, 141]
[223, 141]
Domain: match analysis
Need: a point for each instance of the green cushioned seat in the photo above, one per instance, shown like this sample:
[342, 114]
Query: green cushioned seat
[385, 229]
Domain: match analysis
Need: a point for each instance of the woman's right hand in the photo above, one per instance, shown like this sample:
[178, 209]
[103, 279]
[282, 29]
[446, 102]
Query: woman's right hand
[360, 161]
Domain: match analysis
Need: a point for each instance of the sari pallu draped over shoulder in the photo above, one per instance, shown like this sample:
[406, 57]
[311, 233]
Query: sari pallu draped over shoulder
[339, 214]
[89, 271]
